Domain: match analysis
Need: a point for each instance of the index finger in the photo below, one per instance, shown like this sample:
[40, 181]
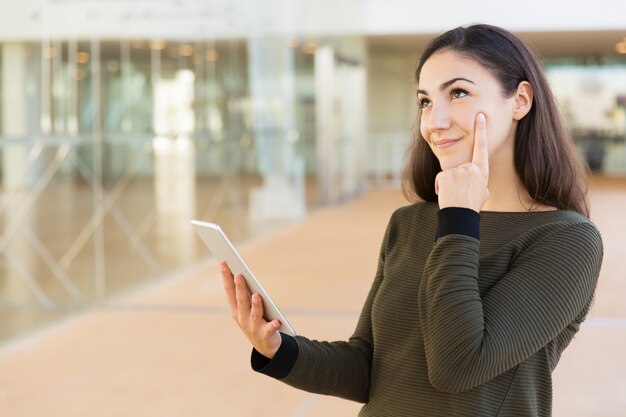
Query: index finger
[481, 151]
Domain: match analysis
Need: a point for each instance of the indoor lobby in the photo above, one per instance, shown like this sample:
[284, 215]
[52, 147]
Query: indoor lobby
[287, 123]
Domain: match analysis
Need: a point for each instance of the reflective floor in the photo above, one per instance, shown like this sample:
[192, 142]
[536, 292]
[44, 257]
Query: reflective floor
[66, 247]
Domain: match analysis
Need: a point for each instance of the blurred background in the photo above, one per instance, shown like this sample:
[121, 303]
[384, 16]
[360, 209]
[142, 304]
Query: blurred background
[122, 120]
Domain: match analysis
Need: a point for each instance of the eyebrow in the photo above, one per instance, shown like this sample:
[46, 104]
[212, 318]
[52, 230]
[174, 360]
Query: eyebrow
[446, 84]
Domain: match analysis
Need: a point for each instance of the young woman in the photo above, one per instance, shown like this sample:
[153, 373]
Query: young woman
[483, 282]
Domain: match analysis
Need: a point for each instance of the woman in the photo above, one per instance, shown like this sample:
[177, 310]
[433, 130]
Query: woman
[483, 283]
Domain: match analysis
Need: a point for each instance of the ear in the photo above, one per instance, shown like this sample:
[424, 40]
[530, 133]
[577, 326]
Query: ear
[523, 100]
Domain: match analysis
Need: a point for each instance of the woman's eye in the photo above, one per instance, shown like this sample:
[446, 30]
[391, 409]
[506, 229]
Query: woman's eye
[458, 93]
[423, 103]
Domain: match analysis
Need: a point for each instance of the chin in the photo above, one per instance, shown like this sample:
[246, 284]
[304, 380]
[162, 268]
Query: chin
[452, 160]
[447, 163]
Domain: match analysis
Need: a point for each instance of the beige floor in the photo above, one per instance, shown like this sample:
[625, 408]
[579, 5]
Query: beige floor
[91, 249]
[170, 349]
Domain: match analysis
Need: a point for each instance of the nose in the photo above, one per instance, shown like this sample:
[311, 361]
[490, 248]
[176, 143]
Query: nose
[437, 118]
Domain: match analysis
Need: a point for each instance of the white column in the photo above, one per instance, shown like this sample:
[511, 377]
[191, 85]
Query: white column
[340, 119]
[174, 160]
[272, 91]
[19, 175]
[324, 124]
[14, 115]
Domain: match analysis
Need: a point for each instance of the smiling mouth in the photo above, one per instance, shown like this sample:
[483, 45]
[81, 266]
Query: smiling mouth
[446, 143]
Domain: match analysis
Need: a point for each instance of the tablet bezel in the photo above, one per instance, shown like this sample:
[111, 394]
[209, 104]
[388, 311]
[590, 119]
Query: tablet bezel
[223, 250]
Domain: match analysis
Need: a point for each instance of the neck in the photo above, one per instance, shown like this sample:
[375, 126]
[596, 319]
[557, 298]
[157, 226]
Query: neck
[506, 190]
[506, 195]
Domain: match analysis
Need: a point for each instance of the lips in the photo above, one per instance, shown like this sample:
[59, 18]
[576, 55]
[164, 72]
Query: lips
[446, 143]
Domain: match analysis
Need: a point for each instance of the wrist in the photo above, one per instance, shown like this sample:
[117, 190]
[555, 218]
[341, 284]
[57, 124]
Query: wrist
[283, 361]
[270, 352]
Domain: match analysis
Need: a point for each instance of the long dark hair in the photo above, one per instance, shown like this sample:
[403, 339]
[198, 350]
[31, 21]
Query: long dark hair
[545, 156]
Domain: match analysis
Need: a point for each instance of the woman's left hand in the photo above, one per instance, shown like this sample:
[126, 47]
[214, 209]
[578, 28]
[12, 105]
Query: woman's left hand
[466, 184]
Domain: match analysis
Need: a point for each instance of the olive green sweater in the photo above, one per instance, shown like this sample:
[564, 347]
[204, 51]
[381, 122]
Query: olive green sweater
[467, 316]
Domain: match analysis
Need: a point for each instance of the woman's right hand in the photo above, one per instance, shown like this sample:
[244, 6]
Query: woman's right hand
[467, 184]
[247, 310]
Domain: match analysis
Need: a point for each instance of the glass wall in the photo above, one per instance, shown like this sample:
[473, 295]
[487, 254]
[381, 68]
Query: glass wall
[592, 96]
[109, 148]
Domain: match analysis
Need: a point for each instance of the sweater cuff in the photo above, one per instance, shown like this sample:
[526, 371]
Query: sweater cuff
[281, 365]
[458, 221]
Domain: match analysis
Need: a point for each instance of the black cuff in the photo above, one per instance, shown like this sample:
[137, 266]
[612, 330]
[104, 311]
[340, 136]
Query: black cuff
[458, 221]
[280, 366]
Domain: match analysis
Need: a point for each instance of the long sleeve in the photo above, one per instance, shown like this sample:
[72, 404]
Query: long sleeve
[468, 315]
[334, 368]
[471, 338]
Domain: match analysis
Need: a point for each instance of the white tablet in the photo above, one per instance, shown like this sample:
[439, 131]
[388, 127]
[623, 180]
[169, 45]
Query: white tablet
[223, 250]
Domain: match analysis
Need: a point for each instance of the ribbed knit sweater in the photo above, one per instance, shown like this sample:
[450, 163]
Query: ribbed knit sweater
[467, 316]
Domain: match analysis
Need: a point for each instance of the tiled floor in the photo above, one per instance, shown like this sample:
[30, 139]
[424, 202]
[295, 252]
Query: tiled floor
[170, 347]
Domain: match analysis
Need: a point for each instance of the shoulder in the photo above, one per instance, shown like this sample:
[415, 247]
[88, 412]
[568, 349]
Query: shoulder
[413, 223]
[579, 234]
[571, 228]
[541, 236]
[422, 215]
[421, 211]
[531, 228]
[569, 239]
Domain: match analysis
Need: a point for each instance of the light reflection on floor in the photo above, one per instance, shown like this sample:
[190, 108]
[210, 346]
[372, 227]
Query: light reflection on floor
[75, 256]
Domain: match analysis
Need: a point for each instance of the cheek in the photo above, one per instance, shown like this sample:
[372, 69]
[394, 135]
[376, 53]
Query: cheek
[467, 121]
[423, 129]
[499, 121]
[499, 130]
[464, 116]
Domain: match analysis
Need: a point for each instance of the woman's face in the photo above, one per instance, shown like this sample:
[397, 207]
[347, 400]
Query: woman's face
[453, 89]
